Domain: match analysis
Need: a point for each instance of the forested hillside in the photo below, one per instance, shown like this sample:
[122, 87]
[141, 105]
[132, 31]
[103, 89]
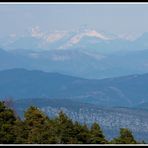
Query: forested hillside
[37, 128]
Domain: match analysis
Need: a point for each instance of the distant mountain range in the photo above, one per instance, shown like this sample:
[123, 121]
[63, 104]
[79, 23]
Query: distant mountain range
[127, 91]
[83, 53]
[86, 64]
[83, 38]
[36, 39]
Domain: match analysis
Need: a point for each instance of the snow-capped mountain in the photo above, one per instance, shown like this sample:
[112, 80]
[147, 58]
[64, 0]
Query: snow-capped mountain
[84, 52]
[93, 36]
[80, 39]
[37, 39]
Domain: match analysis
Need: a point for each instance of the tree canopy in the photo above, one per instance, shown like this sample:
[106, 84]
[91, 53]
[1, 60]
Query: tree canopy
[37, 128]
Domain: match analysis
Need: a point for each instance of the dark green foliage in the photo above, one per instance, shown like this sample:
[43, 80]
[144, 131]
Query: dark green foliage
[20, 131]
[64, 128]
[125, 137]
[82, 133]
[36, 123]
[97, 136]
[37, 128]
[7, 120]
[34, 117]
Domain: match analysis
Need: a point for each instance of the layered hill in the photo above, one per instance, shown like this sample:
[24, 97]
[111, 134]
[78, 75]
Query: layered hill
[126, 91]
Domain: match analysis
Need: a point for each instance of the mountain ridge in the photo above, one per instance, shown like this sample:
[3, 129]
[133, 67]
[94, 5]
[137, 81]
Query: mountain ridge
[122, 91]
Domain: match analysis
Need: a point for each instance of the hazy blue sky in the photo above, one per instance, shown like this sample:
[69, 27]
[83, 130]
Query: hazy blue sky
[112, 18]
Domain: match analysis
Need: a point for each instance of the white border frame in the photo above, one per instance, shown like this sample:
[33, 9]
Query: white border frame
[77, 3]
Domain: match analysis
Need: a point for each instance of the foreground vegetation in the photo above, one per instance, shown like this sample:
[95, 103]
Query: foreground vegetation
[37, 128]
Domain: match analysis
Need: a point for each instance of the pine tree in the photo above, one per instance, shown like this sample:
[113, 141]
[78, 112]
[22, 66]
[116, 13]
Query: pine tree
[36, 123]
[97, 136]
[21, 131]
[64, 129]
[82, 133]
[7, 121]
[125, 137]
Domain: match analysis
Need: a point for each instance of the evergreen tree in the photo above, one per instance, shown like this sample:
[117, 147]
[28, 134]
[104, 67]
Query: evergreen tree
[125, 137]
[82, 133]
[97, 136]
[21, 132]
[7, 121]
[64, 129]
[36, 124]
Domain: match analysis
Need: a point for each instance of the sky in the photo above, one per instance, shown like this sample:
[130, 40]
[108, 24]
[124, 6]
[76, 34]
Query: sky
[112, 18]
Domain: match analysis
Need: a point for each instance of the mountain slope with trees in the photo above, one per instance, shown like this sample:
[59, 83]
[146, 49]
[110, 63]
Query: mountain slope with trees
[37, 128]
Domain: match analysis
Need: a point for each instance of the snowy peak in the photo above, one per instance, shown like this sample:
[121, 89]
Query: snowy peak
[82, 38]
[89, 33]
[48, 37]
[79, 35]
